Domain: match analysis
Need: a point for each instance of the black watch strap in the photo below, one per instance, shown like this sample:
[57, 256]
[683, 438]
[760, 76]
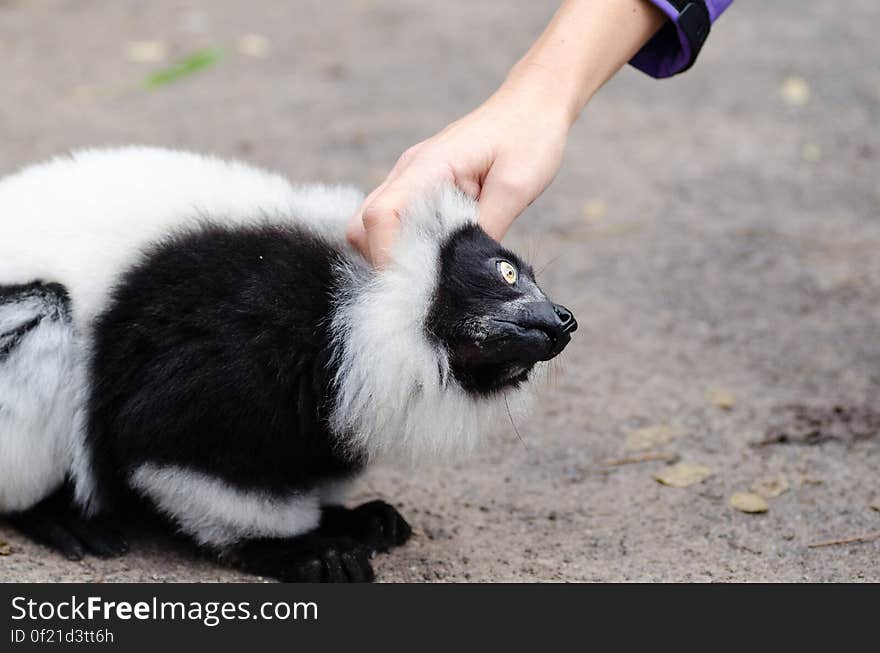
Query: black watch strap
[694, 21]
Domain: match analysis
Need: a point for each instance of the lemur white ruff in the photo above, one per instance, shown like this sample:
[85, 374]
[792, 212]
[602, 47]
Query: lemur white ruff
[198, 334]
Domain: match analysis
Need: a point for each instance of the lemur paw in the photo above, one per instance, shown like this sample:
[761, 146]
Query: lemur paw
[376, 525]
[309, 558]
[55, 522]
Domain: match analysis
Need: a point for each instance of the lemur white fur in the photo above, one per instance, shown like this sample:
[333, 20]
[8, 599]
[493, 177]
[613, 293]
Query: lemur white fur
[84, 219]
[37, 401]
[218, 515]
[396, 394]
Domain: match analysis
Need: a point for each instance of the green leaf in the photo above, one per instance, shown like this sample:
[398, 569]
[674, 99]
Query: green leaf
[192, 64]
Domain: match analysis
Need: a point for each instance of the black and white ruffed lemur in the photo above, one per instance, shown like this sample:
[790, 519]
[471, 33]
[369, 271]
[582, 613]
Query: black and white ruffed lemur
[197, 333]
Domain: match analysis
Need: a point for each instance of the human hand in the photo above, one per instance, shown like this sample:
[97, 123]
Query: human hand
[507, 151]
[504, 154]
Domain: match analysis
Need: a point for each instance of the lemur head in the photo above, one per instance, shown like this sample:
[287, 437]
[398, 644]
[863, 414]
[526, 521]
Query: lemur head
[434, 349]
[490, 316]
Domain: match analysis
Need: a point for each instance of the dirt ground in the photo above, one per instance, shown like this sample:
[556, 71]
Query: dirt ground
[715, 234]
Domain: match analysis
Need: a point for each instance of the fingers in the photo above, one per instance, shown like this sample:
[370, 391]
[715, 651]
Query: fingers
[381, 220]
[381, 211]
[374, 227]
[470, 187]
[502, 200]
[356, 233]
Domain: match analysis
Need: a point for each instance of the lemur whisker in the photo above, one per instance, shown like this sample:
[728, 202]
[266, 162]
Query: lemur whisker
[513, 424]
[548, 264]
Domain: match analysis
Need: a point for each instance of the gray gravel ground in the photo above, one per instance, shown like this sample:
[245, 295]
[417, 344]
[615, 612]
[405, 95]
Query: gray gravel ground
[713, 234]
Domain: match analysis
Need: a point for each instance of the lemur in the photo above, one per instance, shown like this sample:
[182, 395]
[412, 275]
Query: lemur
[198, 334]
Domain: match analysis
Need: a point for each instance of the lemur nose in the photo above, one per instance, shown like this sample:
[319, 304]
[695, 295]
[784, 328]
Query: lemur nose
[568, 323]
[554, 320]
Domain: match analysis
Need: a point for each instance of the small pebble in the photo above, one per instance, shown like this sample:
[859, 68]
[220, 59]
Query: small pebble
[749, 502]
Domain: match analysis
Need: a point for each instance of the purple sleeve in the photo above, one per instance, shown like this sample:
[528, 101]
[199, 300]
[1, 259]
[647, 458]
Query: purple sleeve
[675, 47]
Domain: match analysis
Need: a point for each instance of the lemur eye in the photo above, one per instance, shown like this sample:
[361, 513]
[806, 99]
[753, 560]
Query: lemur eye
[508, 272]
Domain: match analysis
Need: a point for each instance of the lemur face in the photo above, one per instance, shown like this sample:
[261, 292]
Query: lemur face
[490, 315]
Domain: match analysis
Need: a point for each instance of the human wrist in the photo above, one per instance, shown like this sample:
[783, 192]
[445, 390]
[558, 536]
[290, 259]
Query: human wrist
[584, 45]
[541, 83]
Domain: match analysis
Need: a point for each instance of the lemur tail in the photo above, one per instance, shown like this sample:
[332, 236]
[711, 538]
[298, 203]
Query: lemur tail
[37, 392]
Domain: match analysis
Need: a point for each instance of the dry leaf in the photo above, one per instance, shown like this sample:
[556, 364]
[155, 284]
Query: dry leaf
[145, 51]
[253, 45]
[83, 92]
[770, 488]
[749, 502]
[595, 210]
[650, 437]
[721, 397]
[811, 152]
[643, 458]
[833, 276]
[795, 91]
[5, 548]
[683, 475]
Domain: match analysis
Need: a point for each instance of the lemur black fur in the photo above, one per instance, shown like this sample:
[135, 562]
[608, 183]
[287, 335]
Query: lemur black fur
[214, 354]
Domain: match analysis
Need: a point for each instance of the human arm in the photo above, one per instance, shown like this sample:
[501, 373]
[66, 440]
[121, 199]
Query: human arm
[508, 150]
